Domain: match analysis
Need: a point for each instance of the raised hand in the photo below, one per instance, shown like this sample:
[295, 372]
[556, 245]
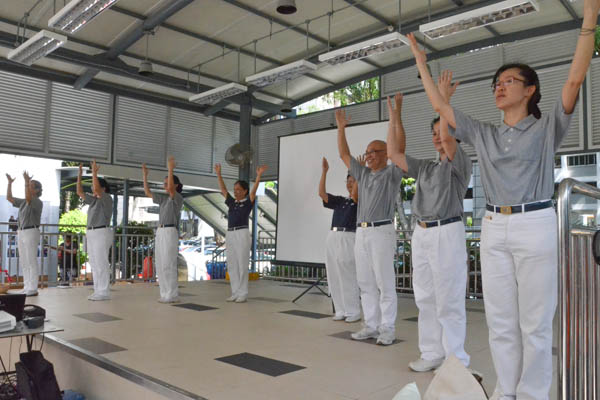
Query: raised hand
[418, 53]
[218, 169]
[10, 179]
[261, 170]
[325, 165]
[95, 167]
[145, 170]
[341, 119]
[362, 160]
[445, 85]
[80, 170]
[171, 164]
[26, 176]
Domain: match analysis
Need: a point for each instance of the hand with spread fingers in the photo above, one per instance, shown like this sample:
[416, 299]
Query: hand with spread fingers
[341, 119]
[325, 165]
[10, 179]
[445, 85]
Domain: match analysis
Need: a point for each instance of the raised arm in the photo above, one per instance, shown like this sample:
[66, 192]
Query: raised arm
[342, 121]
[171, 188]
[221, 181]
[28, 194]
[396, 139]
[259, 171]
[354, 194]
[583, 55]
[9, 195]
[447, 89]
[80, 191]
[96, 188]
[145, 176]
[323, 182]
[435, 98]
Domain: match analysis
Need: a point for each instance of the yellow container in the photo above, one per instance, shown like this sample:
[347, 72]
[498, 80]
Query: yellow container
[252, 276]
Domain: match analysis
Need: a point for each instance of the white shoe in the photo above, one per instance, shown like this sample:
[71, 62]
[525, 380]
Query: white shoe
[241, 299]
[386, 337]
[230, 299]
[31, 293]
[365, 333]
[338, 317]
[168, 301]
[96, 297]
[353, 318]
[421, 365]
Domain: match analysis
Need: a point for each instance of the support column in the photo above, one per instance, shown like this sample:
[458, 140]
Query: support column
[124, 224]
[244, 173]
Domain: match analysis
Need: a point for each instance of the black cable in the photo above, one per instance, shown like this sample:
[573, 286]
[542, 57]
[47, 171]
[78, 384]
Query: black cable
[43, 337]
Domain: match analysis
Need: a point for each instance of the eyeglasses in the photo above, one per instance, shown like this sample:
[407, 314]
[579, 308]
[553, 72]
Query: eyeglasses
[368, 153]
[505, 83]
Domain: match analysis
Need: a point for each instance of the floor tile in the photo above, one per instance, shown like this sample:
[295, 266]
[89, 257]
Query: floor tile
[97, 317]
[264, 365]
[307, 314]
[195, 307]
[96, 345]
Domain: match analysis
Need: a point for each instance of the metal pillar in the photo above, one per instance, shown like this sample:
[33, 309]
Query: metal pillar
[244, 172]
[124, 224]
[254, 235]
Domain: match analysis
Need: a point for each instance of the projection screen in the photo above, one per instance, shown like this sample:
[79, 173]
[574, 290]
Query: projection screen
[302, 221]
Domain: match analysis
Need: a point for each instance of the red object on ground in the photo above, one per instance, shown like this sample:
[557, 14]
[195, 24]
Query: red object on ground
[148, 271]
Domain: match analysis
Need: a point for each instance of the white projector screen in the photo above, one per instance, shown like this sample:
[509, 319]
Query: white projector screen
[302, 221]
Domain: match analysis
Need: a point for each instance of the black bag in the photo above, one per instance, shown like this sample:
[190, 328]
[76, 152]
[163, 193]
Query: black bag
[35, 377]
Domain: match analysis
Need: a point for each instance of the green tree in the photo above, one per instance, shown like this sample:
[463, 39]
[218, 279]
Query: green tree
[73, 217]
[597, 40]
[355, 93]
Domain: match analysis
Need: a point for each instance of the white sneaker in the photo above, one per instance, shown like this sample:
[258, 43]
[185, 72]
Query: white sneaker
[241, 299]
[365, 333]
[421, 365]
[230, 299]
[96, 297]
[353, 318]
[168, 301]
[338, 317]
[31, 293]
[386, 337]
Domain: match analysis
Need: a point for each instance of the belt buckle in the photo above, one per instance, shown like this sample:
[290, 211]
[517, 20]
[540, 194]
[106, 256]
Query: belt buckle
[506, 210]
[422, 224]
[364, 224]
[335, 229]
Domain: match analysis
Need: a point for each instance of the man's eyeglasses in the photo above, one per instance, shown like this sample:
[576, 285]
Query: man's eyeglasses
[368, 153]
[505, 83]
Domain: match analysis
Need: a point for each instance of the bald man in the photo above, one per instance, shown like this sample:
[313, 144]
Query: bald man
[378, 185]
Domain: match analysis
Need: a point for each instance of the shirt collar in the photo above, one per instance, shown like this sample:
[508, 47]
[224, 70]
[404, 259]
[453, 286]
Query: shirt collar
[522, 125]
[241, 201]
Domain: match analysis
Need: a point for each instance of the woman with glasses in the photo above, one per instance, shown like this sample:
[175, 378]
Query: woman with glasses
[519, 230]
[340, 265]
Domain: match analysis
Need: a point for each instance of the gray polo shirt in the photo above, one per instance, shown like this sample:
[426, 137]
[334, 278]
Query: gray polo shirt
[440, 186]
[170, 208]
[376, 191]
[29, 214]
[100, 210]
[517, 163]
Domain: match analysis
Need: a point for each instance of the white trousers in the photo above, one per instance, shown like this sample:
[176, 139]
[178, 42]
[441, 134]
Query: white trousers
[28, 241]
[374, 252]
[341, 273]
[238, 257]
[519, 264]
[99, 241]
[439, 267]
[166, 249]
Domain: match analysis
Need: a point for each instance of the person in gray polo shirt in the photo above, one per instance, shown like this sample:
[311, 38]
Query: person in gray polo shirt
[98, 234]
[30, 214]
[438, 246]
[375, 245]
[166, 246]
[519, 257]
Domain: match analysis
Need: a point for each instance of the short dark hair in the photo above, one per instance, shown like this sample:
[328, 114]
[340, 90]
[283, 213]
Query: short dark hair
[104, 185]
[38, 187]
[243, 184]
[178, 184]
[434, 121]
[531, 79]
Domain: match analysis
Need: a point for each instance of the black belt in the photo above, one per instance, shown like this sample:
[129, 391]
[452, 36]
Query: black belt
[166, 226]
[29, 227]
[342, 229]
[439, 222]
[237, 228]
[373, 224]
[97, 227]
[507, 210]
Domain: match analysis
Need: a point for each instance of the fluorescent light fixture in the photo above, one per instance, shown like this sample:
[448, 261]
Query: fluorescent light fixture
[36, 47]
[215, 95]
[364, 49]
[78, 13]
[498, 12]
[279, 74]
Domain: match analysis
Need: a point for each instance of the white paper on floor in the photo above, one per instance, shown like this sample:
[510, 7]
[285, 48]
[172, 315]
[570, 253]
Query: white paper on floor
[408, 392]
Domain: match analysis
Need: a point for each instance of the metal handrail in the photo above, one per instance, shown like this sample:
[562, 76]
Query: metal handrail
[578, 352]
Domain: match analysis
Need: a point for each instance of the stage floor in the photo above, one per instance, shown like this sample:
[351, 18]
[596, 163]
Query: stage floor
[209, 347]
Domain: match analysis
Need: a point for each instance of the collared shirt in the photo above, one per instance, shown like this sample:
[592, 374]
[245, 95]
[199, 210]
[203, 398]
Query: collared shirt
[239, 211]
[169, 212]
[29, 214]
[377, 191]
[344, 211]
[100, 209]
[440, 186]
[516, 163]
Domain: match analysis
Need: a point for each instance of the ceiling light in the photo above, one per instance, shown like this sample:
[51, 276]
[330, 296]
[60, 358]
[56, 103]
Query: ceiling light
[213, 96]
[286, 106]
[145, 68]
[498, 12]
[78, 13]
[283, 73]
[364, 49]
[286, 7]
[36, 47]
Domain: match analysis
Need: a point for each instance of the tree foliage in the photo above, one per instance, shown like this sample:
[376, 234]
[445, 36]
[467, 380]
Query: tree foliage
[597, 39]
[73, 217]
[355, 93]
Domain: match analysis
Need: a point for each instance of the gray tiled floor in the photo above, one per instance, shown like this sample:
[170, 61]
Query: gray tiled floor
[307, 314]
[96, 345]
[346, 335]
[195, 307]
[412, 319]
[479, 310]
[97, 317]
[186, 294]
[269, 299]
[264, 365]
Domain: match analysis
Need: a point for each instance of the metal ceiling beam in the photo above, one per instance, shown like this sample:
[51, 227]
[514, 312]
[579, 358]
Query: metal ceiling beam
[133, 36]
[492, 30]
[569, 9]
[213, 41]
[203, 217]
[493, 41]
